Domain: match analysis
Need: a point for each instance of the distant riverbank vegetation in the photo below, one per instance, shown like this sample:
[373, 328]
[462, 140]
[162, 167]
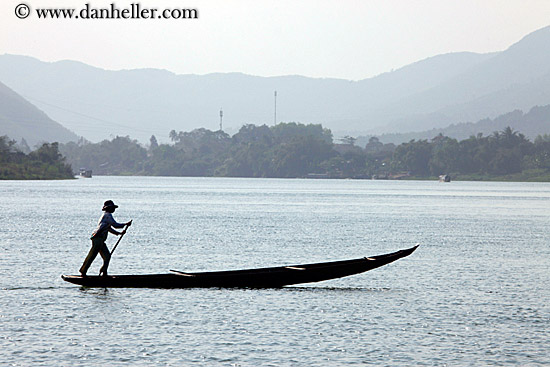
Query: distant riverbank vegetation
[45, 163]
[296, 150]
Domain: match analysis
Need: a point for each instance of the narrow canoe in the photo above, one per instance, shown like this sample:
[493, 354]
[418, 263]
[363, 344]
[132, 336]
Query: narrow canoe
[250, 278]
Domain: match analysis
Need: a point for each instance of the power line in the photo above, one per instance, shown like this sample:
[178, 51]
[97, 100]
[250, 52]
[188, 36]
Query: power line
[133, 128]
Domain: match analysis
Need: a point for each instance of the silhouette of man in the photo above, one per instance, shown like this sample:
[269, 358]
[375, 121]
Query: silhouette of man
[104, 226]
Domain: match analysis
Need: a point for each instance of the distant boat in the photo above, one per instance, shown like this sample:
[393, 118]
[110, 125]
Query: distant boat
[251, 278]
[445, 178]
[87, 173]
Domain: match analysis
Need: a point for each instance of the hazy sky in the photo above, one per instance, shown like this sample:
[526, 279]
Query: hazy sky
[342, 39]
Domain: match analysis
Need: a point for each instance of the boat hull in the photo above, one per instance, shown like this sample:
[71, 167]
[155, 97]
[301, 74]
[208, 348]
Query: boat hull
[251, 278]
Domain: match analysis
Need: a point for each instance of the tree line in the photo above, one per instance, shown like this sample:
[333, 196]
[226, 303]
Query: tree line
[298, 150]
[284, 150]
[44, 163]
[506, 153]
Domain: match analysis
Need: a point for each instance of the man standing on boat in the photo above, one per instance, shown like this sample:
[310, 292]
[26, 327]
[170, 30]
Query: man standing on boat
[105, 225]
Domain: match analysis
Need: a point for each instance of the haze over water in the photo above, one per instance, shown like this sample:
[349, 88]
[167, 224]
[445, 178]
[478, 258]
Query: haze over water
[475, 292]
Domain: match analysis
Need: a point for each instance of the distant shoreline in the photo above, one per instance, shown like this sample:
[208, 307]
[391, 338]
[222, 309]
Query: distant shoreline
[460, 178]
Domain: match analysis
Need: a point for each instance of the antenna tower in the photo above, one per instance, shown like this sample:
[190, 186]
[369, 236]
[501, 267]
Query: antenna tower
[275, 113]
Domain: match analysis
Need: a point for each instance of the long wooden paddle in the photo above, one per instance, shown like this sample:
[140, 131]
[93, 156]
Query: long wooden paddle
[119, 238]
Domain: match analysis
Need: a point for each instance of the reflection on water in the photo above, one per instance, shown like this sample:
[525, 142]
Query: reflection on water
[99, 293]
[474, 293]
[336, 289]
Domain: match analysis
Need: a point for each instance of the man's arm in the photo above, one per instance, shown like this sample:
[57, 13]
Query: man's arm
[114, 232]
[114, 223]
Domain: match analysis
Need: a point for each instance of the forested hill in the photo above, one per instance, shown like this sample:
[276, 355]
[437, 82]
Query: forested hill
[19, 119]
[296, 150]
[45, 163]
[532, 124]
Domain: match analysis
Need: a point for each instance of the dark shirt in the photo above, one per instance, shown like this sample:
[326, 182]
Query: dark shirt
[105, 224]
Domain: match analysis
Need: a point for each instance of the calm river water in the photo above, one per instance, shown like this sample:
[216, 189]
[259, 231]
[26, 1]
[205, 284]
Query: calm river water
[476, 292]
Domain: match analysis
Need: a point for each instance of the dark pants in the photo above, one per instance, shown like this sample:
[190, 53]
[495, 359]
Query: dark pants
[98, 246]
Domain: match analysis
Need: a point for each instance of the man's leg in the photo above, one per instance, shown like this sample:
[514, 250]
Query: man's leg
[91, 256]
[106, 255]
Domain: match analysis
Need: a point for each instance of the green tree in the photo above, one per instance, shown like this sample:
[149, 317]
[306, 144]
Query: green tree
[285, 132]
[300, 156]
[348, 140]
[445, 155]
[254, 134]
[47, 153]
[413, 157]
[510, 148]
[540, 156]
[153, 143]
[247, 160]
[44, 163]
[374, 145]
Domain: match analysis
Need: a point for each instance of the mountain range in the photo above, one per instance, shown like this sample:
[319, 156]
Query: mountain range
[533, 123]
[432, 93]
[20, 119]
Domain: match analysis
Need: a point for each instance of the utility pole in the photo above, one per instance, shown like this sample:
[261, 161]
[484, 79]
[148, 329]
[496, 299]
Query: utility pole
[275, 113]
[221, 118]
